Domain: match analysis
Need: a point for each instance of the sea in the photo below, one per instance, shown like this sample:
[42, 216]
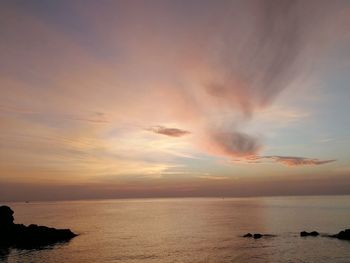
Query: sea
[189, 230]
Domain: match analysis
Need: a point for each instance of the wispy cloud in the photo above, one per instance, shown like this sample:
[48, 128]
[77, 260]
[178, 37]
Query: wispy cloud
[233, 144]
[172, 132]
[259, 66]
[211, 177]
[95, 117]
[246, 69]
[286, 160]
[91, 120]
[297, 161]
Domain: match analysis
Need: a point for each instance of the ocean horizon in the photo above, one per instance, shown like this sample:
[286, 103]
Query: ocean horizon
[189, 229]
[10, 202]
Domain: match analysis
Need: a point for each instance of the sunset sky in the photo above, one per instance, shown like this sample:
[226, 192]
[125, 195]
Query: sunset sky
[104, 99]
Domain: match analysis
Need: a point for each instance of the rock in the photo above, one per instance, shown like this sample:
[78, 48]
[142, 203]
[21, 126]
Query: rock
[6, 217]
[32, 236]
[305, 234]
[257, 236]
[344, 235]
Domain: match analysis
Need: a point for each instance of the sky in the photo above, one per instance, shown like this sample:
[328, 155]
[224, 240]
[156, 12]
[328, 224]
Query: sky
[123, 99]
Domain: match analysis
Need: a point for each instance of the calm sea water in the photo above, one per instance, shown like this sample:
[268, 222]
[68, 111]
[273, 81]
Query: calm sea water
[190, 230]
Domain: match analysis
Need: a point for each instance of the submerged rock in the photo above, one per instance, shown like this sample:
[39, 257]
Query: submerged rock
[31, 236]
[312, 234]
[344, 235]
[257, 235]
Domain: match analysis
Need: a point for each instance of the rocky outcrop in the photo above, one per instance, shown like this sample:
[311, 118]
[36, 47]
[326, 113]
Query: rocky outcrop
[18, 235]
[257, 235]
[311, 234]
[344, 235]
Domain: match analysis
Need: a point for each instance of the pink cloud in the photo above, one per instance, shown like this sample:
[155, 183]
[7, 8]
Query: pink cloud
[233, 144]
[172, 132]
[297, 161]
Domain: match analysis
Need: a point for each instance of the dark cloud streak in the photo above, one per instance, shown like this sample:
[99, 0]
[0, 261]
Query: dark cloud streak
[297, 161]
[172, 132]
[236, 143]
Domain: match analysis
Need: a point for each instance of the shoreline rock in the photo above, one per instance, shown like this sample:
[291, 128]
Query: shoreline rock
[32, 236]
[257, 235]
[307, 234]
[343, 235]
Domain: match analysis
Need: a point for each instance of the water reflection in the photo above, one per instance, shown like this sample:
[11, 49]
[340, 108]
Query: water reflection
[189, 230]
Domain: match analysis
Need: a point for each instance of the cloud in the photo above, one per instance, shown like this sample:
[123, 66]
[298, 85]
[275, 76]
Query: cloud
[211, 177]
[172, 132]
[250, 65]
[95, 117]
[255, 67]
[286, 160]
[247, 66]
[98, 119]
[297, 161]
[233, 144]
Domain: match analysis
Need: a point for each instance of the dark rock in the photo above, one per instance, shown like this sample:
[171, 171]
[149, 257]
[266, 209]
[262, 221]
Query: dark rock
[314, 234]
[31, 236]
[257, 236]
[6, 217]
[306, 234]
[344, 235]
